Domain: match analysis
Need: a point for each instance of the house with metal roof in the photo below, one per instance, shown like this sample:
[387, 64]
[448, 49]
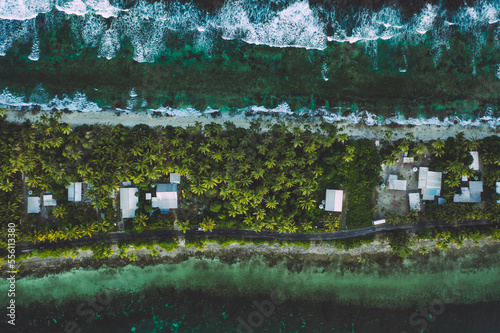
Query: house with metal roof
[470, 194]
[430, 183]
[128, 201]
[414, 200]
[48, 200]
[166, 197]
[396, 184]
[75, 192]
[33, 205]
[333, 201]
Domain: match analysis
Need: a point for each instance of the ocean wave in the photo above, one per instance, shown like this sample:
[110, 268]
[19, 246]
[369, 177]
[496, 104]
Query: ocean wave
[289, 24]
[80, 103]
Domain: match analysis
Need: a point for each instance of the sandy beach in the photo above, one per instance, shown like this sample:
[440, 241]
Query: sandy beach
[359, 130]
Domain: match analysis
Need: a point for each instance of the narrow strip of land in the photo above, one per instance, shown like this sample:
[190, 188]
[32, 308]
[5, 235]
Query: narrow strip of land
[130, 119]
[159, 234]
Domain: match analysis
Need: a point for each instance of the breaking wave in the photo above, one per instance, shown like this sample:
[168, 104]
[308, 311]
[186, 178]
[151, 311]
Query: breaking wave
[79, 103]
[106, 24]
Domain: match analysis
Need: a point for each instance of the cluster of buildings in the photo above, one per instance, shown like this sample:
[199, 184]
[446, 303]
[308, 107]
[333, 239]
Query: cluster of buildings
[165, 197]
[430, 185]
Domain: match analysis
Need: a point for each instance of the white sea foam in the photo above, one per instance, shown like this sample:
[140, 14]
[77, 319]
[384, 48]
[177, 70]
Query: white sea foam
[277, 23]
[79, 102]
[282, 108]
[24, 9]
[82, 7]
[35, 50]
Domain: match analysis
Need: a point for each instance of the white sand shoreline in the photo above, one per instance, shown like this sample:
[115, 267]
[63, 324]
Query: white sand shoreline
[360, 130]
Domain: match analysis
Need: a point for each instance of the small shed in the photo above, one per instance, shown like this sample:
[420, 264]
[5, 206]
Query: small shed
[175, 178]
[48, 200]
[414, 200]
[475, 161]
[33, 205]
[128, 202]
[333, 201]
[75, 192]
[377, 222]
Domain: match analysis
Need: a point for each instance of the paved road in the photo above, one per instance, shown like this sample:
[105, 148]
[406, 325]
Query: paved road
[158, 234]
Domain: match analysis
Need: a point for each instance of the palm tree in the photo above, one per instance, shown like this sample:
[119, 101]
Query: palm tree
[207, 224]
[198, 188]
[350, 153]
[257, 227]
[438, 144]
[391, 160]
[282, 228]
[183, 225]
[260, 213]
[421, 149]
[307, 226]
[424, 250]
[270, 223]
[59, 211]
[272, 203]
[270, 163]
[306, 203]
[204, 148]
[342, 137]
[453, 182]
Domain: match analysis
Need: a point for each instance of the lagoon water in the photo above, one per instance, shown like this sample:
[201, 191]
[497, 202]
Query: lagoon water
[460, 289]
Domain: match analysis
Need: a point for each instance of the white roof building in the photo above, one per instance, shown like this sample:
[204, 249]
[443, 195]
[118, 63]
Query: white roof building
[408, 160]
[48, 200]
[333, 201]
[396, 184]
[128, 202]
[33, 205]
[475, 162]
[175, 178]
[414, 199]
[377, 222]
[430, 183]
[471, 194]
[498, 190]
[75, 192]
[166, 196]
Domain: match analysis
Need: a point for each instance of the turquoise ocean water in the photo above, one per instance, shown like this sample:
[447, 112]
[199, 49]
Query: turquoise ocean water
[439, 292]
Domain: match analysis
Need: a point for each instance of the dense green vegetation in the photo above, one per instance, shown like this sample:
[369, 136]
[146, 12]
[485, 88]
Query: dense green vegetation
[260, 178]
[272, 178]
